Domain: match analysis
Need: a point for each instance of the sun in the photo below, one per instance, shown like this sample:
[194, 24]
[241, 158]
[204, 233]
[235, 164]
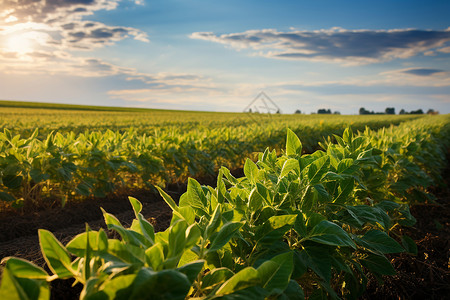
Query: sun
[20, 43]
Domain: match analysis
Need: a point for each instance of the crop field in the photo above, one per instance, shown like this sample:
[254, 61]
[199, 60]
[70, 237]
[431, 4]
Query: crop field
[76, 153]
[267, 206]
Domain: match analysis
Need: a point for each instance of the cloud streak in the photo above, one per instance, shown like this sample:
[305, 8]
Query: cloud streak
[350, 47]
[422, 71]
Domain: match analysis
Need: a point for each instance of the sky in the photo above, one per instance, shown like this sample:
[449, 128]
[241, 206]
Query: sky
[219, 55]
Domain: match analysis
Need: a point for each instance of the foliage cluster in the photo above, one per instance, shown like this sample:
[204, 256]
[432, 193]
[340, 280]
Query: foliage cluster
[66, 165]
[295, 226]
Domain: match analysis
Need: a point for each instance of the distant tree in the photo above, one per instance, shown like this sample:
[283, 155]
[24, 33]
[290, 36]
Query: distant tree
[324, 111]
[432, 112]
[390, 111]
[402, 112]
[250, 110]
[417, 112]
[298, 111]
[363, 111]
[337, 113]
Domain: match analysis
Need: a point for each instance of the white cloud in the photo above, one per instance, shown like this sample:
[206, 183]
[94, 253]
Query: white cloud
[444, 50]
[47, 36]
[58, 25]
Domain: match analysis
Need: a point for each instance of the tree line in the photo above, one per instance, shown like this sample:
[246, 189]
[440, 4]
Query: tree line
[391, 111]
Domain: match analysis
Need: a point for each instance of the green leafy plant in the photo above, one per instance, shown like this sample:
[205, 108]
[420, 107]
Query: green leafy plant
[295, 226]
[74, 156]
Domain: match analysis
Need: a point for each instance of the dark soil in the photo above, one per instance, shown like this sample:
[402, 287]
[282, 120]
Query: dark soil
[425, 276]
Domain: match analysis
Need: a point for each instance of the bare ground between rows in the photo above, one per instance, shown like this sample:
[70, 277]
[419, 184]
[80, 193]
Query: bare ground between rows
[426, 275]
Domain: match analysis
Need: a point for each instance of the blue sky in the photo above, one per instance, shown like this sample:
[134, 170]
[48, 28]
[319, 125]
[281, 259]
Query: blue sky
[218, 55]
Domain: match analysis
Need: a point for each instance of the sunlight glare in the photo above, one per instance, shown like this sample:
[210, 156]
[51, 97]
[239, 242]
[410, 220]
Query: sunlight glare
[22, 43]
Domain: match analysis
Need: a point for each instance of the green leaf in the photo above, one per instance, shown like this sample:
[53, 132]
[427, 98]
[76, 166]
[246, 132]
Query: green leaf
[293, 144]
[90, 290]
[299, 266]
[252, 292]
[331, 176]
[378, 264]
[245, 278]
[154, 256]
[345, 189]
[12, 181]
[255, 202]
[290, 165]
[193, 234]
[191, 270]
[276, 273]
[177, 238]
[165, 284]
[10, 288]
[24, 269]
[57, 257]
[13, 288]
[87, 257]
[346, 166]
[110, 219]
[117, 288]
[78, 244]
[329, 233]
[409, 245]
[318, 259]
[322, 193]
[83, 189]
[102, 241]
[168, 199]
[293, 292]
[224, 235]
[187, 213]
[216, 276]
[37, 176]
[280, 221]
[196, 197]
[265, 193]
[357, 142]
[146, 229]
[300, 225]
[379, 241]
[361, 214]
[137, 206]
[317, 169]
[214, 222]
[347, 136]
[275, 228]
[251, 170]
[128, 236]
[6, 197]
[228, 175]
[123, 254]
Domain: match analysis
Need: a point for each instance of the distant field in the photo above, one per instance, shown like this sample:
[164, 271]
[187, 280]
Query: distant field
[24, 117]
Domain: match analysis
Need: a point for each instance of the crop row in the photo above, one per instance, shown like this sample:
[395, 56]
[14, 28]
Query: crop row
[295, 226]
[68, 165]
